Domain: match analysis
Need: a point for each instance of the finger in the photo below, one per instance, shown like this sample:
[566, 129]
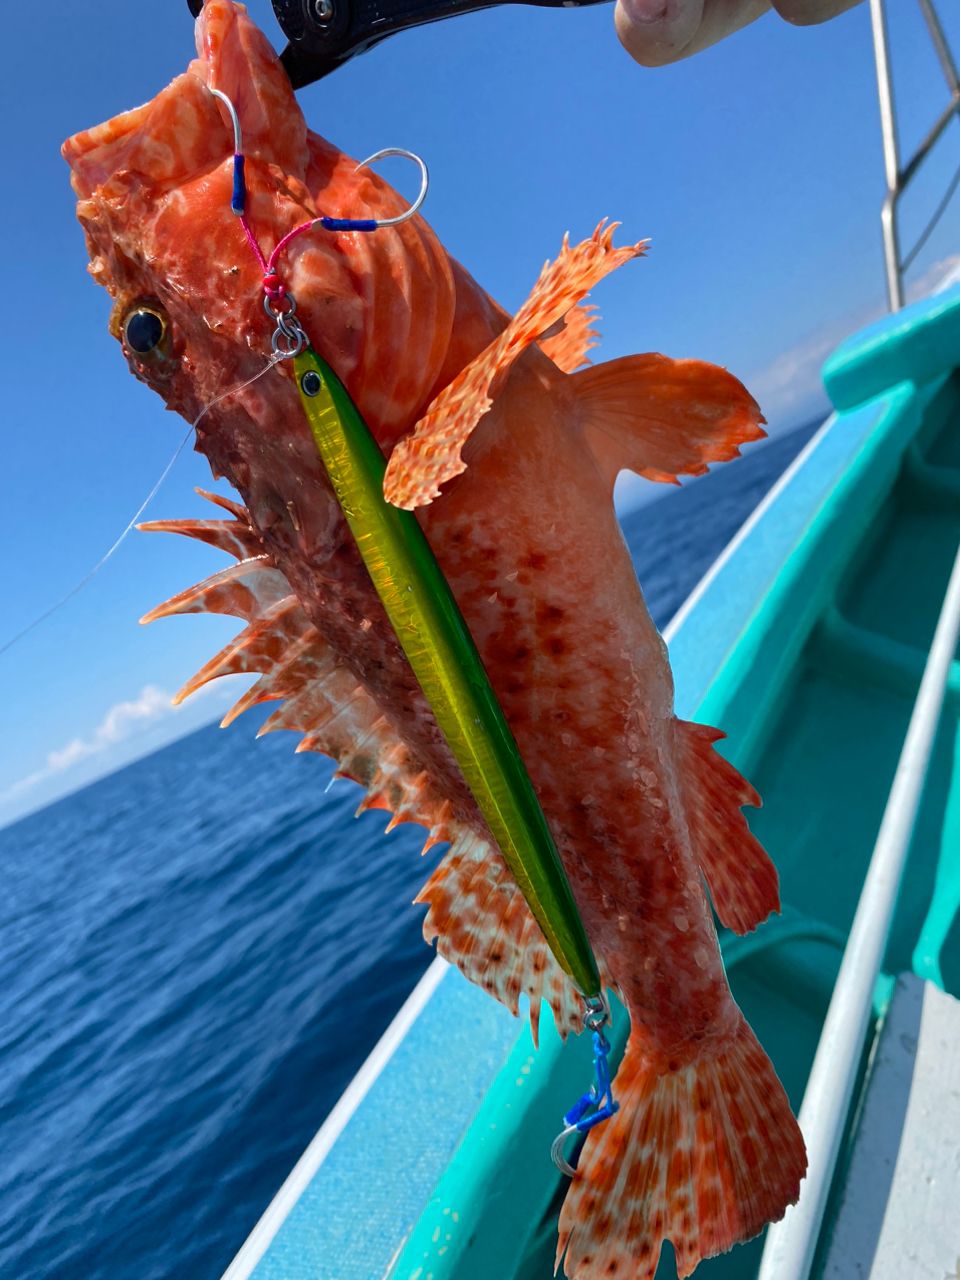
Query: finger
[657, 32]
[804, 13]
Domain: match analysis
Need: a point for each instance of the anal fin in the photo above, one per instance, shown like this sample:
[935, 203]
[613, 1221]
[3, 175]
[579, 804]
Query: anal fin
[743, 882]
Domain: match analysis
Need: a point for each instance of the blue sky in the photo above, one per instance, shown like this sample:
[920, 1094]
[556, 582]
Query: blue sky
[755, 168]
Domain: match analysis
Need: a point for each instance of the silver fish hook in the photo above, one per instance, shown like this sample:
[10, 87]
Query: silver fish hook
[556, 1151]
[424, 183]
[234, 120]
[598, 1103]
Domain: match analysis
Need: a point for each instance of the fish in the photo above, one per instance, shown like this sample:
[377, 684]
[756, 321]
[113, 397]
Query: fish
[506, 439]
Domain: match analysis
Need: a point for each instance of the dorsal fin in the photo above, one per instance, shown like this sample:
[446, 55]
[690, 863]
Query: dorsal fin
[482, 924]
[244, 590]
[568, 347]
[237, 537]
[477, 914]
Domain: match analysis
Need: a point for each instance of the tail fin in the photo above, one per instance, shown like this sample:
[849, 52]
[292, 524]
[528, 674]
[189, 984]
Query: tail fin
[703, 1156]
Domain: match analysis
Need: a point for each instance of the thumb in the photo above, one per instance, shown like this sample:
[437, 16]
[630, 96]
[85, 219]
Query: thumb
[657, 32]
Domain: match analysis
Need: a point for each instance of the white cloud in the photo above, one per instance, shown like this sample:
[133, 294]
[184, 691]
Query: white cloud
[791, 386]
[124, 720]
[24, 784]
[940, 275]
[786, 387]
[790, 390]
[70, 754]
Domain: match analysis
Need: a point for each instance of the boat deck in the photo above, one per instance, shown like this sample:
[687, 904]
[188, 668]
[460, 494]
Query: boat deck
[897, 1212]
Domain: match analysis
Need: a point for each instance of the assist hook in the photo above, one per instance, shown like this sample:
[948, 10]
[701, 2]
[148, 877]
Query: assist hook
[424, 182]
[238, 203]
[598, 1103]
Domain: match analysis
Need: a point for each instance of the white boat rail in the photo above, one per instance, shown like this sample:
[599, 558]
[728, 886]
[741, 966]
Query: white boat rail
[898, 179]
[791, 1243]
[278, 1210]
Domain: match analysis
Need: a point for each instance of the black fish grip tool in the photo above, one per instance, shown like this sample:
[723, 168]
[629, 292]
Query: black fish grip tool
[323, 34]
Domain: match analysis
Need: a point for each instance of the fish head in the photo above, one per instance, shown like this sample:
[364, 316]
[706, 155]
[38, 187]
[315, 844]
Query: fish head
[154, 190]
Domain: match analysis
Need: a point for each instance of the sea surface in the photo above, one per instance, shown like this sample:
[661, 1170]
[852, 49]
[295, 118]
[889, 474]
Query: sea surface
[196, 954]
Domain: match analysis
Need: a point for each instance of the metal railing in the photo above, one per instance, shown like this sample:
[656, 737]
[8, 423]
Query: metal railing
[899, 177]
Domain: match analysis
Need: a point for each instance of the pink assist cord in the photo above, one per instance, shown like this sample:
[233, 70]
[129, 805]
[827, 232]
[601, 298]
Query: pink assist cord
[272, 284]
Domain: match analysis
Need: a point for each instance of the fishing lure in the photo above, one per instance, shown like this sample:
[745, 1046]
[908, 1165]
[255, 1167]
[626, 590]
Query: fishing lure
[422, 609]
[444, 658]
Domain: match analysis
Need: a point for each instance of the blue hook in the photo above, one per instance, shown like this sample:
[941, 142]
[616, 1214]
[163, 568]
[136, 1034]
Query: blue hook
[593, 1108]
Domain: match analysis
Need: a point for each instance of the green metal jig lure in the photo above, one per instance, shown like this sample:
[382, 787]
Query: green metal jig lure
[438, 645]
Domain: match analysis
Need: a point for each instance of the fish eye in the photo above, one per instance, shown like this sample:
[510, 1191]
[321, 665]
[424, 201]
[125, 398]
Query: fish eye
[144, 330]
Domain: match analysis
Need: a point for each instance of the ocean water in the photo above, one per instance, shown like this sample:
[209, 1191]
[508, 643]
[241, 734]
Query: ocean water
[196, 954]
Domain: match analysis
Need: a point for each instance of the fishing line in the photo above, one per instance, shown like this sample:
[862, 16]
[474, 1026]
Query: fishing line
[274, 293]
[131, 523]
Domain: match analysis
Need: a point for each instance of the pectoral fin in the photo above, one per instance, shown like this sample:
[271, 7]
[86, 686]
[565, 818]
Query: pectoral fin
[429, 457]
[575, 337]
[664, 418]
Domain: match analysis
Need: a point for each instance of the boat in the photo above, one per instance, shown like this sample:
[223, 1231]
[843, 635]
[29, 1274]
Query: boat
[823, 640]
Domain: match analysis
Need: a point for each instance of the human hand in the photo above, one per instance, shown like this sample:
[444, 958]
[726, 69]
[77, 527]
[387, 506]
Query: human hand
[656, 32]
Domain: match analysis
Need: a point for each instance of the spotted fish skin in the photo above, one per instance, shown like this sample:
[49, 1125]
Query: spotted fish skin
[507, 441]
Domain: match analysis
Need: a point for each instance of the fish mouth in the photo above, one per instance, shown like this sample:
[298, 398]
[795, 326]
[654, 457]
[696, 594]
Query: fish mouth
[139, 140]
[184, 130]
[178, 134]
[93, 154]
